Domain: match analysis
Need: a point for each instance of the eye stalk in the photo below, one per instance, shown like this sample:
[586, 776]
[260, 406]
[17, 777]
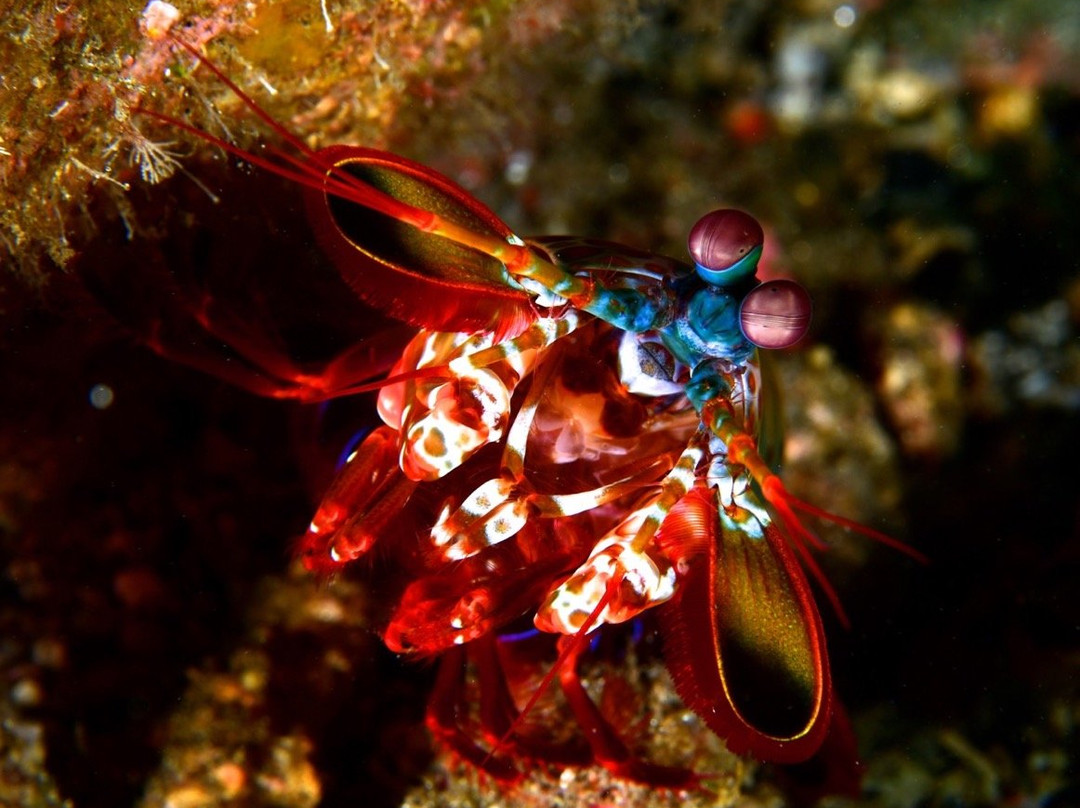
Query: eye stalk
[726, 245]
[775, 314]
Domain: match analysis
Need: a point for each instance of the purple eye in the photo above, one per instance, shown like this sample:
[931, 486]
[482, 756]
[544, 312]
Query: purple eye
[725, 246]
[776, 314]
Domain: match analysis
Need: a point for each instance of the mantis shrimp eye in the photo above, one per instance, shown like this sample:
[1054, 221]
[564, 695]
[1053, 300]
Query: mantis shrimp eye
[776, 314]
[725, 246]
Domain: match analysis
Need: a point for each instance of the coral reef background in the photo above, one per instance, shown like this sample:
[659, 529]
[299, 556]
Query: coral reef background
[915, 165]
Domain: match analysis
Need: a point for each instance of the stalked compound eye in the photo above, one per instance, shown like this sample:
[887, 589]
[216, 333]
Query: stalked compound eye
[776, 314]
[726, 245]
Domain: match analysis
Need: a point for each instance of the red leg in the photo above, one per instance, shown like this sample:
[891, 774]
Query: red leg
[232, 336]
[607, 747]
[495, 663]
[448, 717]
[497, 710]
[261, 366]
[444, 719]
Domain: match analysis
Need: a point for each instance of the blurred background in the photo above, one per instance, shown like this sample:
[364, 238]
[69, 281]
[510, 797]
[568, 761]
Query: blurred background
[914, 164]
